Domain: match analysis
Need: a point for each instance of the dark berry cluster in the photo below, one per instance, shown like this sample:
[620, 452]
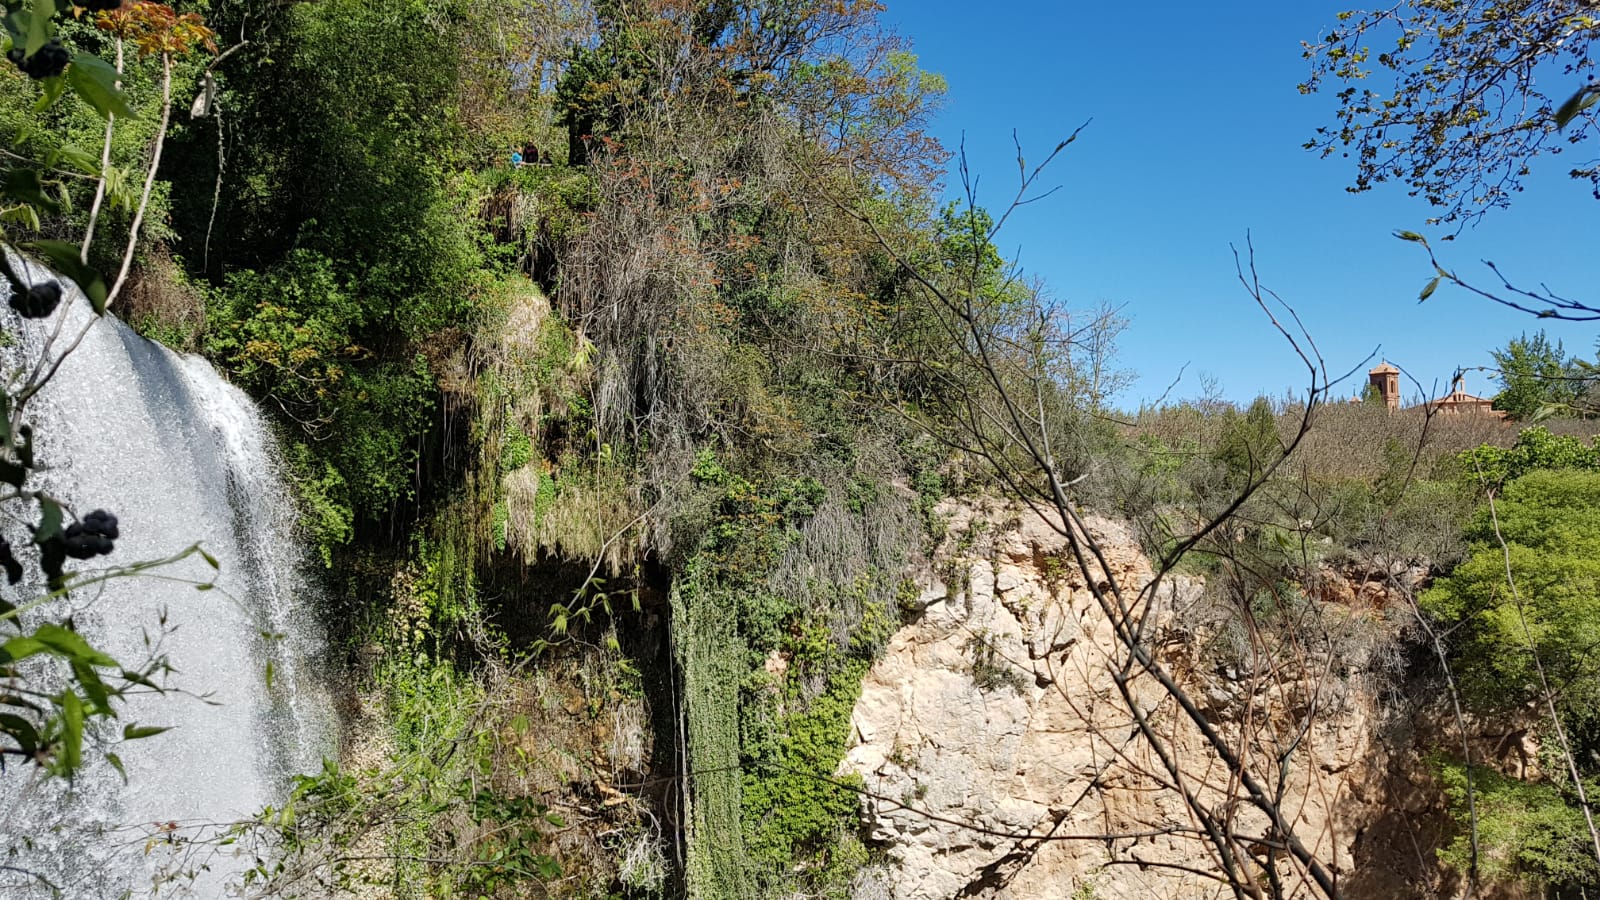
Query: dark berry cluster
[92, 537]
[37, 301]
[85, 539]
[97, 5]
[46, 62]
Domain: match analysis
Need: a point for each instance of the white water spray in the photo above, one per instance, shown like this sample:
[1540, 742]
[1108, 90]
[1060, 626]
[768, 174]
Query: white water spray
[180, 456]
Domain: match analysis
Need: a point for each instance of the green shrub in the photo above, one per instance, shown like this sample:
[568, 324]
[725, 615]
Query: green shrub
[1550, 521]
[1536, 448]
[1527, 831]
[795, 807]
[325, 511]
[516, 451]
[293, 335]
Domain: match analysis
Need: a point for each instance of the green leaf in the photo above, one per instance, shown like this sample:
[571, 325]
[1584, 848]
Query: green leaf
[23, 184]
[95, 81]
[1587, 96]
[39, 26]
[20, 648]
[71, 731]
[25, 215]
[49, 521]
[94, 690]
[116, 763]
[68, 643]
[66, 258]
[139, 679]
[80, 159]
[210, 560]
[1411, 236]
[135, 732]
[53, 89]
[1428, 289]
[20, 703]
[16, 25]
[21, 731]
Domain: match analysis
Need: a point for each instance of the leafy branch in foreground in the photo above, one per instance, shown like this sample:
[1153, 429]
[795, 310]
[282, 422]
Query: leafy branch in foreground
[1542, 302]
[47, 725]
[1449, 98]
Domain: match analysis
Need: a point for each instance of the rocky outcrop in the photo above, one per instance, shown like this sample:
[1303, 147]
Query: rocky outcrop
[1001, 760]
[1369, 584]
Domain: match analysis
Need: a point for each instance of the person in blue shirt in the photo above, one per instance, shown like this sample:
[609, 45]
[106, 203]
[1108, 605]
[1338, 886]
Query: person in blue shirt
[516, 157]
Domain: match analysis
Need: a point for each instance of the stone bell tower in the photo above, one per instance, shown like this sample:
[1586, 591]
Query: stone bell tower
[1386, 379]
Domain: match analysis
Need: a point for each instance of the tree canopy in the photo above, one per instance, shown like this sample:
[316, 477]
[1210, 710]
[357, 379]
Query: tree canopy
[1537, 377]
[1456, 99]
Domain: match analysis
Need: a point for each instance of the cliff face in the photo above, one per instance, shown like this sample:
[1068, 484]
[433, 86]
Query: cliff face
[998, 752]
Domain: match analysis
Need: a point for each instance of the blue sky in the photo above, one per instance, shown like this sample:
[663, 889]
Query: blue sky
[1195, 141]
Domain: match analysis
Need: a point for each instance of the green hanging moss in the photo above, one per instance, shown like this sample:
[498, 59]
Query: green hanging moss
[712, 659]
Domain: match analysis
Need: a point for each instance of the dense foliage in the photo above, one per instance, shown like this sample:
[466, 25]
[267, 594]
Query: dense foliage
[653, 355]
[1530, 830]
[1539, 380]
[1548, 521]
[1523, 608]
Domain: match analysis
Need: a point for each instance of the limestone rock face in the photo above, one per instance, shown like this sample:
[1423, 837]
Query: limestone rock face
[998, 750]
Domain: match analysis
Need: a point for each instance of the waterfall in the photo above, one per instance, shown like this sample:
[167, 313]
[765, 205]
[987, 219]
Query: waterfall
[181, 457]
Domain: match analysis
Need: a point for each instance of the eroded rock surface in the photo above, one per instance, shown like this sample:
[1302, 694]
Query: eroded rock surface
[993, 721]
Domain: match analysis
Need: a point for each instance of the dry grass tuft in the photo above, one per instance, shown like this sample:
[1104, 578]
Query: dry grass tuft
[162, 304]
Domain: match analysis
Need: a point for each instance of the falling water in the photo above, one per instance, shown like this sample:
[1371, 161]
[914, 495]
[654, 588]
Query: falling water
[181, 457]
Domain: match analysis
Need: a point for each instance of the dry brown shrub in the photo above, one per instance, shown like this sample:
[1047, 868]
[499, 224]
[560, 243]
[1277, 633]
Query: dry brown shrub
[574, 736]
[1349, 440]
[1355, 440]
[161, 303]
